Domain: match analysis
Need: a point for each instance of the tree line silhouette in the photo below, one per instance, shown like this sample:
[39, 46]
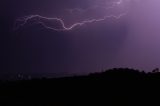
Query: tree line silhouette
[114, 87]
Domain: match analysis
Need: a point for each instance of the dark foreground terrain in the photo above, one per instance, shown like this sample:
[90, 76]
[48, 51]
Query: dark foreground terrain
[116, 87]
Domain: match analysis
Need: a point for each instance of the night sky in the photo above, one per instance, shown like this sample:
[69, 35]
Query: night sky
[131, 40]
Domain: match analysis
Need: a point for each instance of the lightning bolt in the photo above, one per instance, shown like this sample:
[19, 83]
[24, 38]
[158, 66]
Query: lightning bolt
[40, 19]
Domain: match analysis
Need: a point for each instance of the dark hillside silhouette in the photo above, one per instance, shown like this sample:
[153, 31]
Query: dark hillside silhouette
[114, 87]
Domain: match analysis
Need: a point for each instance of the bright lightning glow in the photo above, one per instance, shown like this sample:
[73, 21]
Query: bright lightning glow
[39, 18]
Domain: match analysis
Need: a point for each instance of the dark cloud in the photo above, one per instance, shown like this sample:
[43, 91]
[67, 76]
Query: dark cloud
[34, 49]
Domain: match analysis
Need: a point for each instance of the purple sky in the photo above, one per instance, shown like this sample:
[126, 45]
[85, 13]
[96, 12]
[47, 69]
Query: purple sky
[142, 48]
[130, 41]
